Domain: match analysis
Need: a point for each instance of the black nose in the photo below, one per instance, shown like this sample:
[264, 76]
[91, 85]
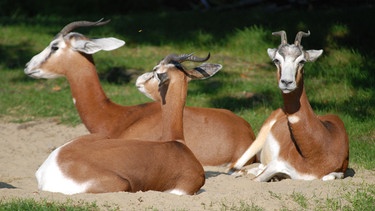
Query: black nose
[286, 82]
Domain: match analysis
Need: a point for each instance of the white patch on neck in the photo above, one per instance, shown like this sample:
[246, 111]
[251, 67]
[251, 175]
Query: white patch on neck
[293, 119]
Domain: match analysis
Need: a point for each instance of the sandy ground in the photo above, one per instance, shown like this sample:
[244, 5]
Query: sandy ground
[25, 146]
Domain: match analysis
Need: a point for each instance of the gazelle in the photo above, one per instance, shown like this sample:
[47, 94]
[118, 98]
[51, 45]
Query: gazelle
[294, 142]
[216, 136]
[95, 163]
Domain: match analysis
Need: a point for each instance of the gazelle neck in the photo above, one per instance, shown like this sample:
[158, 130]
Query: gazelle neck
[172, 106]
[302, 121]
[296, 102]
[85, 85]
[88, 95]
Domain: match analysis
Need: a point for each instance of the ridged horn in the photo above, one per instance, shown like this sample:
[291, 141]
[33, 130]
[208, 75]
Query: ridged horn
[185, 57]
[76, 24]
[299, 36]
[282, 34]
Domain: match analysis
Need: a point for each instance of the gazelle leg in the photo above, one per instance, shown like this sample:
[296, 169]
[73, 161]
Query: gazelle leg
[257, 145]
[273, 169]
[256, 170]
[333, 176]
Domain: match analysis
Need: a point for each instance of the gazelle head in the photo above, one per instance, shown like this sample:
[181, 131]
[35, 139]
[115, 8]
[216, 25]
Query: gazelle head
[149, 83]
[289, 60]
[66, 50]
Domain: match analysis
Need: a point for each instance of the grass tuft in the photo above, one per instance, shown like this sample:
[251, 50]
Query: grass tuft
[31, 205]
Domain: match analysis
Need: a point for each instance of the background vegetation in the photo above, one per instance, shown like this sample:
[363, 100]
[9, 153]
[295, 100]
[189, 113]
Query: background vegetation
[342, 81]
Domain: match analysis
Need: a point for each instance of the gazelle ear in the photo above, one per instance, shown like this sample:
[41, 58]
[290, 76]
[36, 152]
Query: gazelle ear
[271, 52]
[94, 45]
[312, 55]
[204, 71]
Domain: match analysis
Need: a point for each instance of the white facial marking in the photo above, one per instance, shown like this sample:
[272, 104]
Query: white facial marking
[74, 101]
[51, 178]
[288, 65]
[144, 81]
[33, 69]
[141, 80]
[293, 119]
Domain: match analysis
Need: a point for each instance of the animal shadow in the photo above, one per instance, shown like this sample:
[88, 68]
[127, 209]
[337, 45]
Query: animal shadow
[210, 174]
[6, 185]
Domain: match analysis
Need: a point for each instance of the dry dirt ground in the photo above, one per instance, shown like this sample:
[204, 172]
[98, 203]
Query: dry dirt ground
[25, 146]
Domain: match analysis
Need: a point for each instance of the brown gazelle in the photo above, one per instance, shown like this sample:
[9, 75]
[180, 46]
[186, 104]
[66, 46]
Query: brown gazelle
[294, 142]
[95, 163]
[216, 136]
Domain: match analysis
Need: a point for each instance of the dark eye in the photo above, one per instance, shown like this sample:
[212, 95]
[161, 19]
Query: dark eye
[302, 62]
[155, 68]
[276, 61]
[54, 48]
[162, 77]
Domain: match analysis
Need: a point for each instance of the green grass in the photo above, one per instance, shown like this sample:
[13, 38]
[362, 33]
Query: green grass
[300, 199]
[362, 197]
[244, 206]
[340, 82]
[18, 204]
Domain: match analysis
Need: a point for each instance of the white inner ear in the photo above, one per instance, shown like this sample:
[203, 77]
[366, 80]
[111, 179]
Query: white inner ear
[271, 52]
[313, 54]
[86, 46]
[108, 44]
[95, 45]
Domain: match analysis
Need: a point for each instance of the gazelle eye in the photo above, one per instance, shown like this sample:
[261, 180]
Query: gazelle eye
[155, 68]
[276, 61]
[54, 48]
[162, 78]
[302, 62]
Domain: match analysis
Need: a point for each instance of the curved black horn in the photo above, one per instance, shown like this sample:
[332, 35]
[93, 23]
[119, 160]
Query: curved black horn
[170, 58]
[299, 36]
[68, 28]
[185, 57]
[192, 58]
[282, 34]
